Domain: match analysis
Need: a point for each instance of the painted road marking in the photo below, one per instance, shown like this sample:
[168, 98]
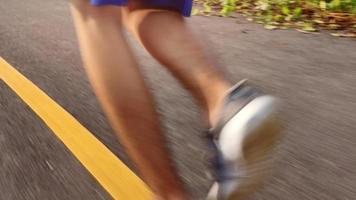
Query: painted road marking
[119, 181]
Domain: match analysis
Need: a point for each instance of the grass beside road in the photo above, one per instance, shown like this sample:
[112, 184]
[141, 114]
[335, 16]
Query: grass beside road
[307, 16]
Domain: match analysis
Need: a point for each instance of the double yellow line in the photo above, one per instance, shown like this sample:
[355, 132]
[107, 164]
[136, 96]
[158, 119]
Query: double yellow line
[117, 179]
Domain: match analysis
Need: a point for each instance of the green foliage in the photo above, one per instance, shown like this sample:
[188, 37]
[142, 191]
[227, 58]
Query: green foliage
[285, 10]
[297, 13]
[228, 6]
[342, 5]
[195, 11]
[207, 8]
[308, 27]
[322, 5]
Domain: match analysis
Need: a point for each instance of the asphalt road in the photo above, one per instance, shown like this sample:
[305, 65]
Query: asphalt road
[315, 76]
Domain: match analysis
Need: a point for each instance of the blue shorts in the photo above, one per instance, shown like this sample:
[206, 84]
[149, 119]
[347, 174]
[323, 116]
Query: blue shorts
[183, 6]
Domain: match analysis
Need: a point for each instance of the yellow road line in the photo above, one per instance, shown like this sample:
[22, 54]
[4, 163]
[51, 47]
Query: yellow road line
[109, 171]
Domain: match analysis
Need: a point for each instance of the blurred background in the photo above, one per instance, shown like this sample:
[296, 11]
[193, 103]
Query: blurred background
[313, 70]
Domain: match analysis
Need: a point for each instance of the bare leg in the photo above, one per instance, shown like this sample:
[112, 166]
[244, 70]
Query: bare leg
[124, 96]
[166, 36]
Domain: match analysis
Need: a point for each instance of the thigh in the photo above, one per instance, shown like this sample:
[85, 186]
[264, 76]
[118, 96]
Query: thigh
[88, 9]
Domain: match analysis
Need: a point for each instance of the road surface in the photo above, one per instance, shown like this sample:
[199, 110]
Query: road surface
[315, 76]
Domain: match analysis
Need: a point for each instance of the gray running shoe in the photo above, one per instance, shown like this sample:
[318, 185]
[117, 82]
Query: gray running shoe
[243, 139]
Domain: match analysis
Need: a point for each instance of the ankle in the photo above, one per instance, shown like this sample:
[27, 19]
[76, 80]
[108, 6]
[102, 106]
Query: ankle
[215, 106]
[171, 190]
[173, 195]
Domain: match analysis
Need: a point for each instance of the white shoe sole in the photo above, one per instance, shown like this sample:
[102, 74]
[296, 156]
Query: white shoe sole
[246, 141]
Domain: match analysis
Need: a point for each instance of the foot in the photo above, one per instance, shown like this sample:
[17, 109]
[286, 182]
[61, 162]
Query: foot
[243, 137]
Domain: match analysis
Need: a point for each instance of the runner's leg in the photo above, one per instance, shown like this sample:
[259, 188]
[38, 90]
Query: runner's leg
[167, 37]
[124, 96]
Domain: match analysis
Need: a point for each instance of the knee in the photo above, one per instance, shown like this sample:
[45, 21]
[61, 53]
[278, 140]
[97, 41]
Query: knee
[133, 17]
